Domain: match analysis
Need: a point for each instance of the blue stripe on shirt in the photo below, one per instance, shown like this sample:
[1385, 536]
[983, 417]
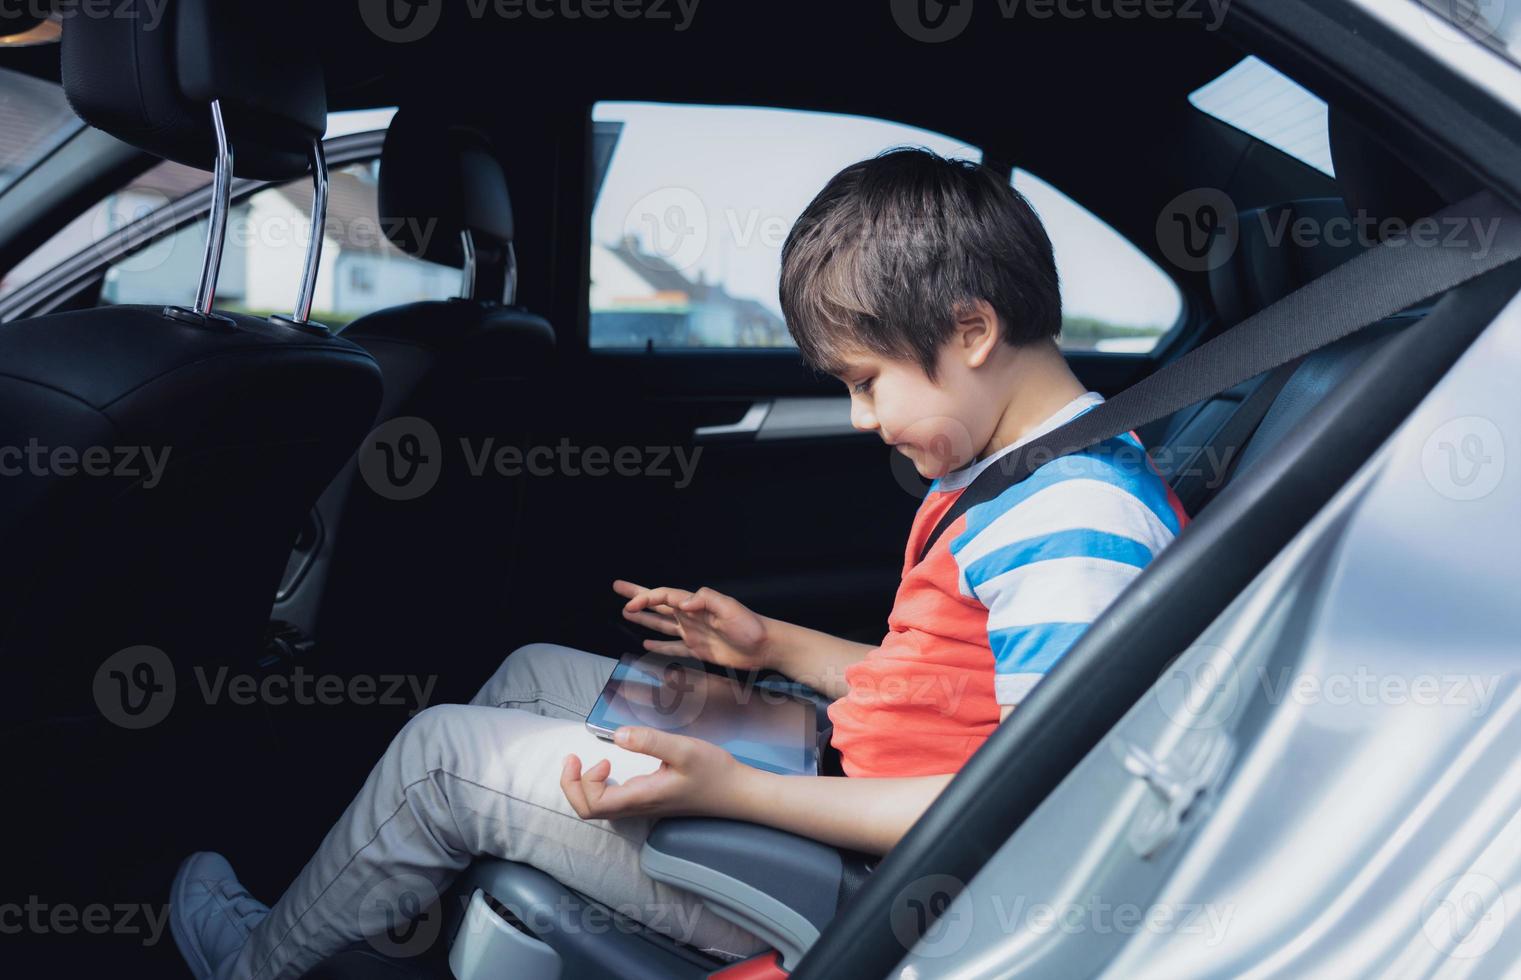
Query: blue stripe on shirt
[1032, 649]
[1097, 463]
[1079, 542]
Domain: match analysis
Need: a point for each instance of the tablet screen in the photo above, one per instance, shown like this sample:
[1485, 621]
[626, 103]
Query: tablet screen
[761, 727]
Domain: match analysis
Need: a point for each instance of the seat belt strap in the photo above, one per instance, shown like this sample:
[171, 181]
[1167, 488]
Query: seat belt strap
[1473, 236]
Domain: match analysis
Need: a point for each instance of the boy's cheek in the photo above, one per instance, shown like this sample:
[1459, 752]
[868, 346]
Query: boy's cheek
[938, 443]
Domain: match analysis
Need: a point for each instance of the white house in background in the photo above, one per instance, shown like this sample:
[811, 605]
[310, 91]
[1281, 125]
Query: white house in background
[265, 250]
[639, 298]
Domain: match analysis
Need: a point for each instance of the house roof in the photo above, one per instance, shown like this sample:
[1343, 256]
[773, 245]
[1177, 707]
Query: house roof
[34, 117]
[352, 212]
[173, 180]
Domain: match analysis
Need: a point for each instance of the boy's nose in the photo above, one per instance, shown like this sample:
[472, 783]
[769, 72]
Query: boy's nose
[862, 417]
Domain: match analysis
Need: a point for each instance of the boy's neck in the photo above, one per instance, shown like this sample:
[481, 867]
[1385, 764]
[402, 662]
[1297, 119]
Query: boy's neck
[1039, 384]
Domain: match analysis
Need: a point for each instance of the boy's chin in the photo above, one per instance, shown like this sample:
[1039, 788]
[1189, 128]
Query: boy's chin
[929, 467]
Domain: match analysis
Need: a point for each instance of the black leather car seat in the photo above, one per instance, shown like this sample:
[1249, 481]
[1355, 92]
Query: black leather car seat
[410, 571]
[247, 419]
[1267, 264]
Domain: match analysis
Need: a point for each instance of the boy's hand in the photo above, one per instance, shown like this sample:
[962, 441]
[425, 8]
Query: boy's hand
[695, 778]
[708, 625]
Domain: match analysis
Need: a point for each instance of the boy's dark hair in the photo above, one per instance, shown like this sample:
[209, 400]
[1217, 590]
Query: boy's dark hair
[895, 247]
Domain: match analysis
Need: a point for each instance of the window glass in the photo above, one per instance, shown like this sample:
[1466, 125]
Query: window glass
[34, 119]
[1114, 298]
[1263, 102]
[161, 184]
[693, 204]
[265, 253]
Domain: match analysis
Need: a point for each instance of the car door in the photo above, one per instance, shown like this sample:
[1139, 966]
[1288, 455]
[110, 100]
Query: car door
[740, 469]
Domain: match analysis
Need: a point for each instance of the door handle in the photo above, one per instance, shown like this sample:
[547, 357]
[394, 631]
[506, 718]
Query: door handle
[746, 427]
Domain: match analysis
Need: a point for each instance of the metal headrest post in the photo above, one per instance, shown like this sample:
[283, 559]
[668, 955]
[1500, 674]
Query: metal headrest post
[216, 232]
[301, 316]
[467, 270]
[510, 293]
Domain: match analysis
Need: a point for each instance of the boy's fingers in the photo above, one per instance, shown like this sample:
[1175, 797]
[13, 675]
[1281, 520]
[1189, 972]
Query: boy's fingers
[660, 596]
[570, 785]
[648, 741]
[714, 602]
[626, 588]
[655, 621]
[671, 648]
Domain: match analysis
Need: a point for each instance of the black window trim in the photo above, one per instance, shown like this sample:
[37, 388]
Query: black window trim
[55, 287]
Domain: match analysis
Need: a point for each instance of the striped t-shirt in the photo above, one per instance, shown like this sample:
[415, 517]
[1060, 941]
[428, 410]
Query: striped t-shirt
[1005, 591]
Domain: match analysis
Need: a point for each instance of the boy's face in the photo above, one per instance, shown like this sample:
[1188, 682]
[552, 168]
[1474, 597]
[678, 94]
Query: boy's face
[940, 425]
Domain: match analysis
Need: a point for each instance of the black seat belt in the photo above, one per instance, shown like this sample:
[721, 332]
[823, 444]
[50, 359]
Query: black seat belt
[1378, 283]
[1192, 487]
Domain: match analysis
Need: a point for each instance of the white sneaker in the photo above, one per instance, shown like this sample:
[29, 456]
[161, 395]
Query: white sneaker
[210, 913]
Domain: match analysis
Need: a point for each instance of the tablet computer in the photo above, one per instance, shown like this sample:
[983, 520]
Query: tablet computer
[760, 726]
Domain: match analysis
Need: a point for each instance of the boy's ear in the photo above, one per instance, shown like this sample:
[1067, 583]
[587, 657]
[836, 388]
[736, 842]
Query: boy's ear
[977, 332]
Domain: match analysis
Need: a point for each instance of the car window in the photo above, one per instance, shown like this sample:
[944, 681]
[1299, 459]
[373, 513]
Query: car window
[1262, 101]
[34, 119]
[693, 204]
[1114, 298]
[161, 184]
[265, 252]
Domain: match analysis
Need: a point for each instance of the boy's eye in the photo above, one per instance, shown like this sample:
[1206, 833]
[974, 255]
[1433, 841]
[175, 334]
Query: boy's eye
[862, 387]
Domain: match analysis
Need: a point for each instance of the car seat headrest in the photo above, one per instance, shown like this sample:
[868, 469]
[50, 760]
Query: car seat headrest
[1280, 248]
[438, 179]
[1380, 188]
[148, 73]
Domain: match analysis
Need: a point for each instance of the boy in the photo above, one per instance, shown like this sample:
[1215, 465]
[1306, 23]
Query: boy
[928, 287]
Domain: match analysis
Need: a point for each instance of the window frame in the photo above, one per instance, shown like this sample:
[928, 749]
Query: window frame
[1108, 362]
[776, 355]
[54, 288]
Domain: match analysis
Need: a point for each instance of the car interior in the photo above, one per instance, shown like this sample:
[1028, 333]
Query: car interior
[268, 546]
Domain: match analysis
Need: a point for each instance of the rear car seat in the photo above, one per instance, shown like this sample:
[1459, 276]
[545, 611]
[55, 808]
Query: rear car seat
[405, 572]
[1268, 263]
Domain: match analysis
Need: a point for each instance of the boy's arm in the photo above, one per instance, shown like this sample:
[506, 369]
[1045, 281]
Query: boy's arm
[701, 779]
[811, 657]
[868, 815]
